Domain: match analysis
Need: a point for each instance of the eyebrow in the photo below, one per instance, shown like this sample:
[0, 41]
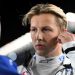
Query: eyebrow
[43, 26]
[47, 27]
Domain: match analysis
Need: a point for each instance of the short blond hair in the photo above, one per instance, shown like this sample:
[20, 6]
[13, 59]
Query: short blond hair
[46, 8]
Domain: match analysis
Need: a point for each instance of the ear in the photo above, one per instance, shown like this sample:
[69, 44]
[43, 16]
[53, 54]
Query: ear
[64, 30]
[59, 40]
[61, 36]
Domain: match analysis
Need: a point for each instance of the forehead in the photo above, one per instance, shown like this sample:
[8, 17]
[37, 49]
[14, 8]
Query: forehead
[43, 19]
[44, 16]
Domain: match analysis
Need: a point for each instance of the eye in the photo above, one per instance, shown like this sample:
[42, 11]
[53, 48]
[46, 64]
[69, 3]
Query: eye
[33, 29]
[46, 29]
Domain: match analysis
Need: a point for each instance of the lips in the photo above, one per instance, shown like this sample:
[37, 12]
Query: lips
[40, 46]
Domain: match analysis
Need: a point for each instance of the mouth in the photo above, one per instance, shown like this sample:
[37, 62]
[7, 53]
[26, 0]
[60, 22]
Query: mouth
[40, 46]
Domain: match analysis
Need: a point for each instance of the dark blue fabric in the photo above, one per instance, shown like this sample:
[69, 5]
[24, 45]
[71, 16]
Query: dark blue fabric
[7, 66]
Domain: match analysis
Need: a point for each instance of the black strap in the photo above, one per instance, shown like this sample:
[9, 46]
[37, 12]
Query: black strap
[69, 49]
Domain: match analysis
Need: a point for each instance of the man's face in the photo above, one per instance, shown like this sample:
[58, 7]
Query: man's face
[44, 33]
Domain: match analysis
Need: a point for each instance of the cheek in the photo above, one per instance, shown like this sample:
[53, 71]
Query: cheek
[33, 37]
[51, 39]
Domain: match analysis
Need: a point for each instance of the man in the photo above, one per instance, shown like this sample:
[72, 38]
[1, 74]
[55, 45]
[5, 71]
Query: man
[68, 41]
[47, 22]
[68, 38]
[71, 22]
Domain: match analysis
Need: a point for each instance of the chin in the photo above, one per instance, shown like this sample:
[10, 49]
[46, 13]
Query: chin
[41, 53]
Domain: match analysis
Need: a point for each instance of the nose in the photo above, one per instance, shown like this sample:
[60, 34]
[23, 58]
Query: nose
[39, 36]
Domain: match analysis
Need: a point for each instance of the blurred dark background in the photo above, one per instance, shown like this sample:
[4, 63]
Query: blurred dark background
[13, 10]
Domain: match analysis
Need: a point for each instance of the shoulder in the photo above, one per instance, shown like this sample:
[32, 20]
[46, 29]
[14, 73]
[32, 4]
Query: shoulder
[65, 67]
